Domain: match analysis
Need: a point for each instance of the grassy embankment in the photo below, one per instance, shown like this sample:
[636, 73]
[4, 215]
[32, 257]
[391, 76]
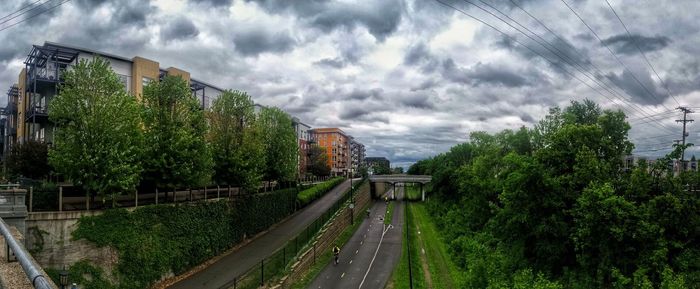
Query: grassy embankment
[430, 263]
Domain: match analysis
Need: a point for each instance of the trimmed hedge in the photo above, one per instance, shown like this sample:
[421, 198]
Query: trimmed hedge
[307, 196]
[154, 240]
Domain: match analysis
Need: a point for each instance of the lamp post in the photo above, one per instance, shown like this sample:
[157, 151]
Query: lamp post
[63, 278]
[352, 200]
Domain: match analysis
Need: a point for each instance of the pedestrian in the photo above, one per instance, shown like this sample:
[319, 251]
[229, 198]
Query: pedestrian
[336, 252]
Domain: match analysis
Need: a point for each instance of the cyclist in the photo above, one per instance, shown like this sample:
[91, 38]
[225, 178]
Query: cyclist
[336, 252]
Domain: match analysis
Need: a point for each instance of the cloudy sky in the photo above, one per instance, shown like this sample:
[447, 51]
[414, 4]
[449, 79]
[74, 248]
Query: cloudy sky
[409, 79]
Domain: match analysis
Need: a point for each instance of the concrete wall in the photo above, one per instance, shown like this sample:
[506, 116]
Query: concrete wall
[49, 241]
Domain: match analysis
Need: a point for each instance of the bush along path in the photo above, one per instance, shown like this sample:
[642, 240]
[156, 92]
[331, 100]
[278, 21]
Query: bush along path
[224, 270]
[154, 241]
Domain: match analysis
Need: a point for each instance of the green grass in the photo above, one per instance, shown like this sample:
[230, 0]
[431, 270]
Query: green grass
[389, 213]
[423, 235]
[413, 192]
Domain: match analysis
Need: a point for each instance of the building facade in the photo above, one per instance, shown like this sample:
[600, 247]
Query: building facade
[357, 155]
[39, 82]
[337, 145]
[303, 134]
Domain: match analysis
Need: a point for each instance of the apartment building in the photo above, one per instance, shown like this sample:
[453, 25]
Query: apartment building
[39, 82]
[357, 155]
[303, 134]
[337, 145]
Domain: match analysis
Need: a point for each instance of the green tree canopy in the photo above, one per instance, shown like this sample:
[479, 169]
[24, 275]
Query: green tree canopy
[176, 151]
[235, 137]
[318, 161]
[281, 145]
[29, 159]
[97, 141]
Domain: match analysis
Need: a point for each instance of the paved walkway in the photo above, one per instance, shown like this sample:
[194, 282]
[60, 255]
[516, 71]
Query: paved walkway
[368, 259]
[225, 269]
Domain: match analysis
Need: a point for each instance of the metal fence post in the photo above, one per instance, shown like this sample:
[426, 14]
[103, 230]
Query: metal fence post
[229, 191]
[205, 193]
[60, 198]
[218, 192]
[262, 272]
[314, 253]
[156, 195]
[136, 198]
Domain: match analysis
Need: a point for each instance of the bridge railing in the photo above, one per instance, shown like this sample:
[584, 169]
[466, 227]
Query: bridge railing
[31, 269]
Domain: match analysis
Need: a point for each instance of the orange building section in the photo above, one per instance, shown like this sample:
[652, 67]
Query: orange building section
[337, 145]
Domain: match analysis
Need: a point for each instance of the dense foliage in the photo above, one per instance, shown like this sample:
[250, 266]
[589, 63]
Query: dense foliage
[236, 138]
[280, 143]
[317, 191]
[553, 207]
[176, 151]
[98, 142]
[29, 159]
[318, 161]
[155, 240]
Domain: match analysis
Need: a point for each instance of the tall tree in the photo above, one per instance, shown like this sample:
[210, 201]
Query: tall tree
[29, 159]
[176, 151]
[97, 143]
[280, 143]
[236, 139]
[318, 161]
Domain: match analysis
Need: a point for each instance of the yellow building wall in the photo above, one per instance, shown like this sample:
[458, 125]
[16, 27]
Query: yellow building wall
[140, 68]
[178, 72]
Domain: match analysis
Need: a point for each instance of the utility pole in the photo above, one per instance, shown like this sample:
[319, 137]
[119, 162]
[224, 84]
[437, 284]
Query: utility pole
[685, 120]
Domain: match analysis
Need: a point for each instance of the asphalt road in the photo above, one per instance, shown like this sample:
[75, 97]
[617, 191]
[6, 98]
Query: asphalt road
[368, 259]
[239, 261]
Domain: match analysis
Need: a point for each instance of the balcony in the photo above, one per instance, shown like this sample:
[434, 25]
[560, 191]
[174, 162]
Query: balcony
[37, 113]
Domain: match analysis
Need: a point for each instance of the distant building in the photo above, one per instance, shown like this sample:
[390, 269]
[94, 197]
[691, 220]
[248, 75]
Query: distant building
[357, 155]
[303, 134]
[378, 165]
[41, 78]
[337, 145]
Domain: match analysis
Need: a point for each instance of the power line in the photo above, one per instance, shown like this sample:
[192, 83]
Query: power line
[613, 53]
[523, 45]
[642, 52]
[25, 12]
[577, 66]
[20, 9]
[34, 15]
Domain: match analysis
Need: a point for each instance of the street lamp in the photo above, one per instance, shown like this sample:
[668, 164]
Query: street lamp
[63, 278]
[352, 200]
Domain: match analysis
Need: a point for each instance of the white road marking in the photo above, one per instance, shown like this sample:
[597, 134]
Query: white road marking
[350, 262]
[357, 251]
[375, 255]
[341, 276]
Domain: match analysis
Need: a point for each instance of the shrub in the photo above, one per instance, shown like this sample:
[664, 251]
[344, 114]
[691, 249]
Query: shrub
[307, 196]
[155, 240]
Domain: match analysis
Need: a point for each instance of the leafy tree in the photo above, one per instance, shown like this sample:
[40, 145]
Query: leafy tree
[29, 159]
[280, 144]
[98, 137]
[176, 151]
[397, 170]
[318, 161]
[235, 137]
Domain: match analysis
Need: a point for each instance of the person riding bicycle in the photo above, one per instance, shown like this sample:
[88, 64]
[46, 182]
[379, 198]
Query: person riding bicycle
[336, 252]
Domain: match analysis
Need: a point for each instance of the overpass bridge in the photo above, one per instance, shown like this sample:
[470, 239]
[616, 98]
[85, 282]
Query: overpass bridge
[396, 179]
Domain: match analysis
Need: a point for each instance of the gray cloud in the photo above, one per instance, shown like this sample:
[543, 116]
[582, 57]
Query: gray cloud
[334, 62]
[483, 74]
[381, 18]
[214, 3]
[625, 44]
[255, 41]
[178, 29]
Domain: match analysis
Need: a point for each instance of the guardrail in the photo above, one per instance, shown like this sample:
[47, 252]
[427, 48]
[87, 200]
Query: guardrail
[29, 266]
